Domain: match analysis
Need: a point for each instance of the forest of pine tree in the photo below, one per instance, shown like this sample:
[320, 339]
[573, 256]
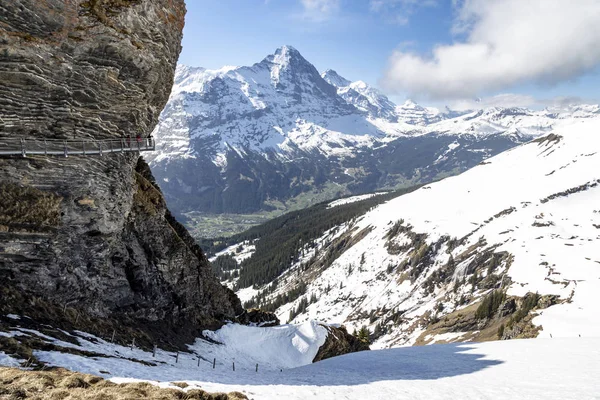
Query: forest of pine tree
[282, 238]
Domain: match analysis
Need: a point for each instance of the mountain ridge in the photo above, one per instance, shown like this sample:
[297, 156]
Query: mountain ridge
[276, 136]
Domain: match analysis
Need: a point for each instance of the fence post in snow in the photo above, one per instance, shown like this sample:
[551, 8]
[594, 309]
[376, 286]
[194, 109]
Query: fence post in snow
[214, 362]
[132, 343]
[198, 361]
[177, 358]
[234, 366]
[112, 339]
[154, 351]
[256, 367]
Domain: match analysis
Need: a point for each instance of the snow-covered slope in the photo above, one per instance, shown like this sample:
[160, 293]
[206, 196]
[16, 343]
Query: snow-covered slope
[525, 221]
[532, 369]
[274, 135]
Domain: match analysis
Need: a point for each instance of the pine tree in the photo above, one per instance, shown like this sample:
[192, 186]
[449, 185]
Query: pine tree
[451, 261]
[490, 304]
[501, 331]
[364, 335]
[378, 330]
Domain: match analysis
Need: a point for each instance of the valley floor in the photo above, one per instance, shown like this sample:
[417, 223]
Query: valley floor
[559, 368]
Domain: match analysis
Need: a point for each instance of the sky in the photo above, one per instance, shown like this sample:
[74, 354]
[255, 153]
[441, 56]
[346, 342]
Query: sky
[529, 53]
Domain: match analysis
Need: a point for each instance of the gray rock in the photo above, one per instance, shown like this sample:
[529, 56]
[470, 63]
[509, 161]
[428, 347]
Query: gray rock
[548, 300]
[509, 307]
[94, 233]
[339, 342]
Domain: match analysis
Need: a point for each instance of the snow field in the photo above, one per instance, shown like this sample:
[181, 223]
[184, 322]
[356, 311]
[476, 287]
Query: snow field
[544, 369]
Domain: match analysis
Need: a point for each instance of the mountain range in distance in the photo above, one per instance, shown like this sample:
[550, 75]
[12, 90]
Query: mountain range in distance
[240, 145]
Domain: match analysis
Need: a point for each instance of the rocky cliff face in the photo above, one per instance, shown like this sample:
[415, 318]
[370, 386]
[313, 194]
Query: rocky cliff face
[93, 233]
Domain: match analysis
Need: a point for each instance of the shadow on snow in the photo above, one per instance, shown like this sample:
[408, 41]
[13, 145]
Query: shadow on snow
[408, 363]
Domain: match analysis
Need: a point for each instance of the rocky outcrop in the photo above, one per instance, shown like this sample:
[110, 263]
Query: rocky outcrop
[93, 233]
[257, 317]
[339, 342]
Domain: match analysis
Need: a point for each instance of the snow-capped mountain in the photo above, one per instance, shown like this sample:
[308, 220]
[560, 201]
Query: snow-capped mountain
[279, 135]
[414, 114]
[333, 78]
[362, 96]
[507, 249]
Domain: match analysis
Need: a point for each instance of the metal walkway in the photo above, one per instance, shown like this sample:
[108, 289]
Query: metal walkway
[65, 148]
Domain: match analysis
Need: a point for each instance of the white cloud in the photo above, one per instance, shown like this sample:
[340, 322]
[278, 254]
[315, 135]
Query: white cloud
[500, 100]
[320, 10]
[518, 100]
[399, 11]
[506, 42]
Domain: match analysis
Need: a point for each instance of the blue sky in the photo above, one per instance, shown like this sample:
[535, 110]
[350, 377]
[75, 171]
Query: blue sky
[436, 51]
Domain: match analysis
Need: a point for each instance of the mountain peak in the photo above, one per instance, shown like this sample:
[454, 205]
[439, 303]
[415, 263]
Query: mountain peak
[286, 49]
[333, 78]
[410, 104]
[286, 55]
[290, 71]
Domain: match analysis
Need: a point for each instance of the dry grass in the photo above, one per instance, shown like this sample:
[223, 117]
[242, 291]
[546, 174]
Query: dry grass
[61, 384]
[25, 207]
[147, 198]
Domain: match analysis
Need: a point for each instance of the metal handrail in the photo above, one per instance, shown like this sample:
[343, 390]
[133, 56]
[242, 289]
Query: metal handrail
[86, 147]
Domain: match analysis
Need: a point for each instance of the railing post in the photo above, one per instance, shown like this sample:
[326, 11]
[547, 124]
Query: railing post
[83, 146]
[23, 153]
[66, 149]
[111, 146]
[100, 147]
[122, 145]
[45, 147]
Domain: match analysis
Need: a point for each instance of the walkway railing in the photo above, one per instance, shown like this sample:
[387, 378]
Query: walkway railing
[84, 147]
